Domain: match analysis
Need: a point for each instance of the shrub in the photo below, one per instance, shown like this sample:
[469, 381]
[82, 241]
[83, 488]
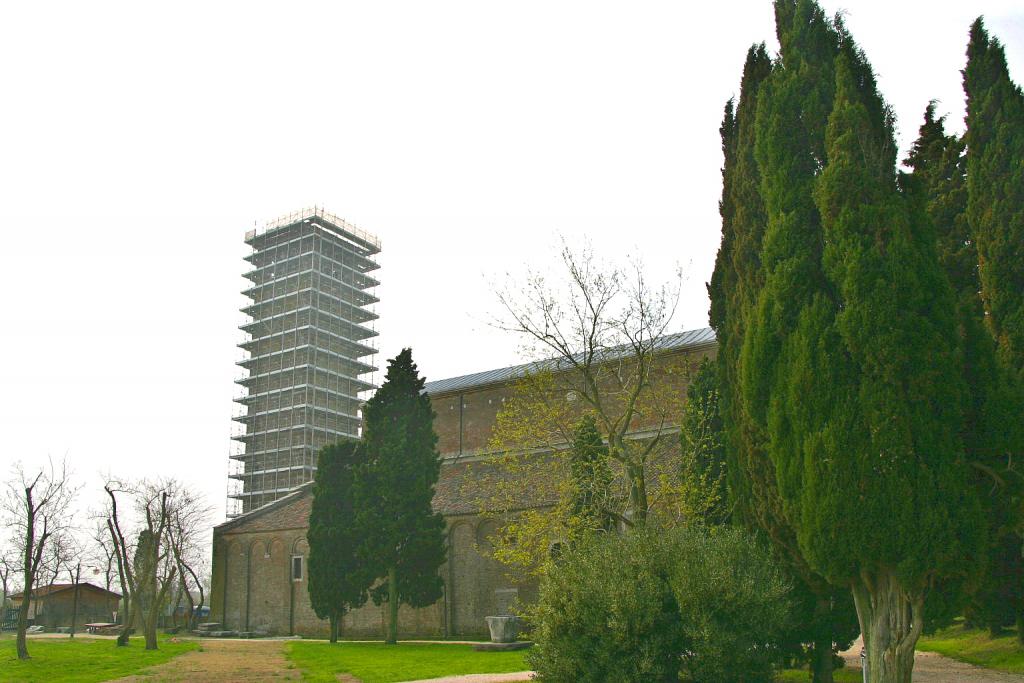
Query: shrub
[607, 612]
[735, 605]
[647, 606]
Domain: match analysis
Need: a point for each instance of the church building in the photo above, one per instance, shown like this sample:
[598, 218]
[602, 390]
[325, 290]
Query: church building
[259, 557]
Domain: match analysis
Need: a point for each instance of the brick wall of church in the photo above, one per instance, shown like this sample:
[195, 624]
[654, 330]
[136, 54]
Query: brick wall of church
[252, 585]
[253, 589]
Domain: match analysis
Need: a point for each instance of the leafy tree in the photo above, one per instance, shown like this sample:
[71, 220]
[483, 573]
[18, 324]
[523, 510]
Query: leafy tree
[995, 213]
[339, 574]
[597, 336]
[407, 541]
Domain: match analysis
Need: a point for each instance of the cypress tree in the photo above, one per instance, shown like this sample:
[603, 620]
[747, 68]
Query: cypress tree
[408, 538]
[939, 177]
[995, 182]
[893, 434]
[702, 442]
[826, 615]
[851, 364]
[339, 573]
[591, 478]
[995, 215]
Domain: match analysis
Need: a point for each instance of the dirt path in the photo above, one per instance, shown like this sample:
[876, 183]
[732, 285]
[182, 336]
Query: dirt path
[224, 661]
[930, 667]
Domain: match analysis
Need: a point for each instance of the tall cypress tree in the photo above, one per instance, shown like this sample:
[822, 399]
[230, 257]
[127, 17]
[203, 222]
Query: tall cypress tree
[939, 177]
[850, 363]
[401, 474]
[826, 614]
[995, 214]
[340, 574]
[995, 181]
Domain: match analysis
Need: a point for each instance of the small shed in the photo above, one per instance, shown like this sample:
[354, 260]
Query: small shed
[52, 606]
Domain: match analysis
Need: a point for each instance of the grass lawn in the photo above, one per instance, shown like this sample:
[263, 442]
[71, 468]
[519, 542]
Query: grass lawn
[82, 660]
[379, 663]
[804, 676]
[976, 647]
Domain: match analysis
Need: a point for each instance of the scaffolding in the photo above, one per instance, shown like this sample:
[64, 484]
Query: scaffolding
[306, 337]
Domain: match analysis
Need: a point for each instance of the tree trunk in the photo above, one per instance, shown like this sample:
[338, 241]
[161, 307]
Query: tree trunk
[334, 627]
[638, 495]
[821, 658]
[392, 638]
[74, 606]
[23, 622]
[126, 622]
[890, 621]
[149, 628]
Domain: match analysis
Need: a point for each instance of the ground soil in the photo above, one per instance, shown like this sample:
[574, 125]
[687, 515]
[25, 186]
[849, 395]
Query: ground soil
[224, 661]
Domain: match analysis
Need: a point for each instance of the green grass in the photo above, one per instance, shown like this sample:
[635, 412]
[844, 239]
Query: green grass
[973, 646]
[379, 663]
[82, 660]
[804, 676]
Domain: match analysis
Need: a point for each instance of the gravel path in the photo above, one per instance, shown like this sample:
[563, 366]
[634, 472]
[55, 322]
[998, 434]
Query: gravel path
[930, 667]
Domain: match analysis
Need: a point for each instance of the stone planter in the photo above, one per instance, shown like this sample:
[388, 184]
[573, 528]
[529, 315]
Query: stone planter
[503, 629]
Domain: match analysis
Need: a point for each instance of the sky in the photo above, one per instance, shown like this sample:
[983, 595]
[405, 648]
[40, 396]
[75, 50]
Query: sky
[139, 141]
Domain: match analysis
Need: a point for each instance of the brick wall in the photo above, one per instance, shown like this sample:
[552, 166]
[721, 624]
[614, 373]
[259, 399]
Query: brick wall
[252, 584]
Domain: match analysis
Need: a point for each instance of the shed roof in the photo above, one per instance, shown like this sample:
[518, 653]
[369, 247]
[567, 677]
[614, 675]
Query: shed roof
[690, 339]
[43, 591]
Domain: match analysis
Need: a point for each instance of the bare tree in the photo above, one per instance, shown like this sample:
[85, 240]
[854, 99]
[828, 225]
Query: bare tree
[189, 522]
[102, 555]
[145, 567]
[37, 508]
[598, 332]
[63, 556]
[8, 567]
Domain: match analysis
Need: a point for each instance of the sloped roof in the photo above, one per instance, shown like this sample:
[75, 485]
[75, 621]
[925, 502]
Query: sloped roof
[690, 339]
[43, 591]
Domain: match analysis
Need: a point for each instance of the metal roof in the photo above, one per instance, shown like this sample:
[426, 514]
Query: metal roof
[680, 340]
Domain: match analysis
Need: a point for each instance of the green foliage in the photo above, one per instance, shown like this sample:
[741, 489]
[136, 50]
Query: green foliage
[735, 604]
[607, 612]
[401, 473]
[769, 107]
[377, 663]
[649, 605]
[84, 660]
[339, 572]
[995, 213]
[995, 183]
[591, 479]
[990, 424]
[702, 440]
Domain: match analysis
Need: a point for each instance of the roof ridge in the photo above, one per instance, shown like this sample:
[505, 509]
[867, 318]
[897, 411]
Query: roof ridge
[676, 340]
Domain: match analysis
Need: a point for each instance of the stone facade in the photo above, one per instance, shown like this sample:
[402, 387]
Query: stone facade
[257, 587]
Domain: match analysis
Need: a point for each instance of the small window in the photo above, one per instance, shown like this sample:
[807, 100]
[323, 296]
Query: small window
[296, 568]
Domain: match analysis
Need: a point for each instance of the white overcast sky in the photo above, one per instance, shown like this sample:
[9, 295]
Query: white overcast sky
[139, 141]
